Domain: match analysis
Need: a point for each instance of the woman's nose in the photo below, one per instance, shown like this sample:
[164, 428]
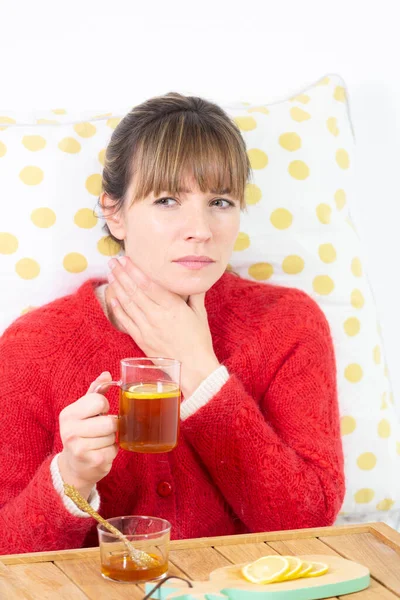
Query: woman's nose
[197, 225]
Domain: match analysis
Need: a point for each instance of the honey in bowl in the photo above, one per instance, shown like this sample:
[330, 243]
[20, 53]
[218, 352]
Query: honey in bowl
[149, 416]
[121, 567]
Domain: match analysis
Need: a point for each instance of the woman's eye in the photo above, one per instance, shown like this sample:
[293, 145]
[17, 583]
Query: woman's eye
[164, 201]
[229, 203]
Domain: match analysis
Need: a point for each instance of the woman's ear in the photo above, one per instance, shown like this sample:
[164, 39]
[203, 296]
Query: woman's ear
[114, 218]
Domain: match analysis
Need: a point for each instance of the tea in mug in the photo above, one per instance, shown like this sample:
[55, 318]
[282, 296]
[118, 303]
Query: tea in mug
[149, 416]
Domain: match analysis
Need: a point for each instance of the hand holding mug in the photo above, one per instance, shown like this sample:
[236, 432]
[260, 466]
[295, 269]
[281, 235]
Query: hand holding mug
[88, 437]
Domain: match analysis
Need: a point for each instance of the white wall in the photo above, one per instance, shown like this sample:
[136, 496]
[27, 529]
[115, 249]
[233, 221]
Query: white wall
[97, 54]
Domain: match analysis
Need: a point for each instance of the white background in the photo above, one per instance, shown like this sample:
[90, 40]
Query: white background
[103, 55]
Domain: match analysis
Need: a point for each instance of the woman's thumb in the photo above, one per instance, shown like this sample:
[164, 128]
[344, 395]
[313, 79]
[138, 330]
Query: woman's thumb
[103, 377]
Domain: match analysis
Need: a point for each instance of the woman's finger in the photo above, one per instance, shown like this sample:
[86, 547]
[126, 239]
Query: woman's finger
[126, 320]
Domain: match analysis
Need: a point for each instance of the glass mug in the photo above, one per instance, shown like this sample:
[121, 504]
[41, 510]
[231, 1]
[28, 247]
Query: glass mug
[149, 404]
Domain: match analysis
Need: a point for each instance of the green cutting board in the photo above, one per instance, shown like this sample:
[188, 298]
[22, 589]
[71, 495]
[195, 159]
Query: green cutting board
[343, 577]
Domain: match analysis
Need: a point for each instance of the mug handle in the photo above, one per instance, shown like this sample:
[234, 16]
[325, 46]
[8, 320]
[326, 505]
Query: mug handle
[106, 384]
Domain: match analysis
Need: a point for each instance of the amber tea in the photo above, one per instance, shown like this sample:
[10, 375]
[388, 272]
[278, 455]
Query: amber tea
[149, 416]
[121, 567]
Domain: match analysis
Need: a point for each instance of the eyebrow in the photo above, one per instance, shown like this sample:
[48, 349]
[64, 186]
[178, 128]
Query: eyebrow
[214, 191]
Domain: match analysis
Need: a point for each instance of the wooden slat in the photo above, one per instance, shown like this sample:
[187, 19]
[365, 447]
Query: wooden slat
[387, 535]
[241, 553]
[198, 563]
[42, 581]
[34, 557]
[382, 561]
[250, 538]
[86, 574]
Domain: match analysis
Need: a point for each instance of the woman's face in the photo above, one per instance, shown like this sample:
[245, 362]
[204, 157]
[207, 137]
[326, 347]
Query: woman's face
[158, 235]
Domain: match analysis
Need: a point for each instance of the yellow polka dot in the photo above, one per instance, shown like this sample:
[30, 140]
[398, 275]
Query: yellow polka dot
[31, 175]
[242, 242]
[261, 109]
[327, 253]
[252, 193]
[340, 93]
[107, 246]
[27, 309]
[290, 141]
[8, 120]
[34, 142]
[356, 267]
[331, 124]
[102, 156]
[377, 355]
[8, 243]
[245, 123]
[353, 373]
[384, 403]
[340, 199]
[299, 170]
[69, 145]
[299, 115]
[3, 149]
[113, 123]
[398, 448]
[59, 111]
[85, 218]
[103, 116]
[366, 461]
[27, 268]
[292, 265]
[352, 326]
[384, 428]
[357, 299]
[261, 271]
[74, 262]
[258, 158]
[323, 285]
[342, 159]
[229, 268]
[303, 98]
[281, 218]
[324, 212]
[47, 122]
[43, 217]
[364, 496]
[85, 130]
[385, 504]
[324, 81]
[93, 184]
[347, 425]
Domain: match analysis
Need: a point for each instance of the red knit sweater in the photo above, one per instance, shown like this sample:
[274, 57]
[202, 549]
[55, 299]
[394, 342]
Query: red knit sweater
[263, 454]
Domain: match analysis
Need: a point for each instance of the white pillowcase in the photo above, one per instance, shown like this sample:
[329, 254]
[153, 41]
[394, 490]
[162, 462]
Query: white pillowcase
[297, 233]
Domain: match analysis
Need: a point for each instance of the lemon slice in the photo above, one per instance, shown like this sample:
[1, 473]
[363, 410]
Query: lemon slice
[146, 391]
[296, 566]
[306, 567]
[266, 569]
[317, 569]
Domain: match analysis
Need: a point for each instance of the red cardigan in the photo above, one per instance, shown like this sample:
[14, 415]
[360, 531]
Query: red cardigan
[263, 454]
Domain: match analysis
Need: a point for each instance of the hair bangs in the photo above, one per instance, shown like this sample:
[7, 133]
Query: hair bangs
[181, 146]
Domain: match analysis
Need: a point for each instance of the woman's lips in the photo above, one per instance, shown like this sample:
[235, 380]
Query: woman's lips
[195, 265]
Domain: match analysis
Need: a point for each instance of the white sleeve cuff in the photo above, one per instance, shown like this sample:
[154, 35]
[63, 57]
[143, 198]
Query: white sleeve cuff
[94, 498]
[206, 390]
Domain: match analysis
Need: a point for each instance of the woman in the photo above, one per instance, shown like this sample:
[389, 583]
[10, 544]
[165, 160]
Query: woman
[260, 446]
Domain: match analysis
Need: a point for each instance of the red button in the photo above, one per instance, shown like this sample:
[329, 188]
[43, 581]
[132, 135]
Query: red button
[164, 489]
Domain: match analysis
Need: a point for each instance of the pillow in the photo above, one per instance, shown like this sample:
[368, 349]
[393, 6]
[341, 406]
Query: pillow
[298, 232]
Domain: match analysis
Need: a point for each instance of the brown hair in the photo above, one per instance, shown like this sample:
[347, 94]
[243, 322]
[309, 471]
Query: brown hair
[165, 137]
